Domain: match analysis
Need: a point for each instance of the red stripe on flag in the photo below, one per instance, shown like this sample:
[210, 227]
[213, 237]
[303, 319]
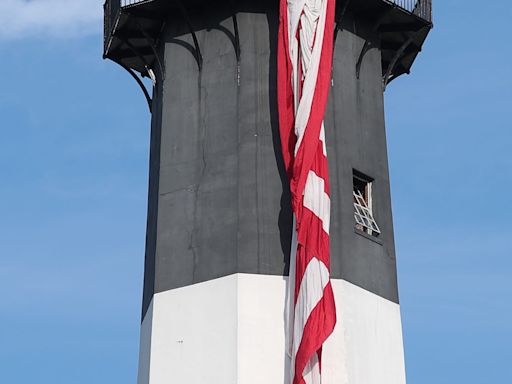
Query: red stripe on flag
[285, 97]
[317, 246]
[309, 147]
[321, 323]
[307, 161]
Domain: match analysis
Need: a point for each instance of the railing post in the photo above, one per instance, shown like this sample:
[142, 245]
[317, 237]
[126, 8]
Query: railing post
[111, 10]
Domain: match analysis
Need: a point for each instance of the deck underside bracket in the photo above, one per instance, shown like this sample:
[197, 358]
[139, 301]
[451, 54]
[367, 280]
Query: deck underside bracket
[339, 19]
[368, 44]
[392, 64]
[140, 83]
[152, 45]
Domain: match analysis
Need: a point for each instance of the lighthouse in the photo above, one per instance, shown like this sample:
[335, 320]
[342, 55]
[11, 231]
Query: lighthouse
[221, 221]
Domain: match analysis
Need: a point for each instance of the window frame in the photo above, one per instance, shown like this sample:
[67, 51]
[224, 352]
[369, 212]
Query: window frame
[363, 201]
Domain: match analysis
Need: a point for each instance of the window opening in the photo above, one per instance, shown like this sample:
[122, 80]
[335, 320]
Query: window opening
[363, 205]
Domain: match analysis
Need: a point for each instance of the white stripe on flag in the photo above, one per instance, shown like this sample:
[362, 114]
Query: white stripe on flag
[311, 372]
[314, 281]
[310, 68]
[322, 139]
[316, 200]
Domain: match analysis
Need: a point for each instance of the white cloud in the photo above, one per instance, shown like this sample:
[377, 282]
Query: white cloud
[49, 18]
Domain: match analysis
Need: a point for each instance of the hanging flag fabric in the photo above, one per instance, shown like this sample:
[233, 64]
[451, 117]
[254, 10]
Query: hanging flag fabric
[305, 47]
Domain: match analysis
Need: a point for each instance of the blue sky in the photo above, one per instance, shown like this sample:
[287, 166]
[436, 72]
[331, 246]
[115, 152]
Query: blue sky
[73, 164]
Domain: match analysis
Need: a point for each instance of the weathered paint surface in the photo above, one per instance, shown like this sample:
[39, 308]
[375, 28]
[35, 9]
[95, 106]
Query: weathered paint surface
[219, 200]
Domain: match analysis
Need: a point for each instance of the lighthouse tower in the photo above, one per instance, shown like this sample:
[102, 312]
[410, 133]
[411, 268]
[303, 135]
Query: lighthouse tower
[219, 225]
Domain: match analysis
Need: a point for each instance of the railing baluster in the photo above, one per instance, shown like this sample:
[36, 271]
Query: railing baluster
[421, 8]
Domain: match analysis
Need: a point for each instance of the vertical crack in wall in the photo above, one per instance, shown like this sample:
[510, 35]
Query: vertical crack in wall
[203, 118]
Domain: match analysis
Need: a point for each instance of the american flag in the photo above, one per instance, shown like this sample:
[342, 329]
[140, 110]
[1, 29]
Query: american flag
[306, 31]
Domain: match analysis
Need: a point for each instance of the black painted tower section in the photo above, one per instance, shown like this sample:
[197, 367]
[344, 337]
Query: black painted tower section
[218, 194]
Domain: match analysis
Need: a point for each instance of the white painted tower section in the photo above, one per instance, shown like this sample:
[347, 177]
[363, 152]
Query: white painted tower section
[232, 331]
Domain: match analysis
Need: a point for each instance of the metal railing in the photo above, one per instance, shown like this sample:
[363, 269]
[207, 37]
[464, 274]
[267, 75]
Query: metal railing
[111, 8]
[124, 3]
[420, 8]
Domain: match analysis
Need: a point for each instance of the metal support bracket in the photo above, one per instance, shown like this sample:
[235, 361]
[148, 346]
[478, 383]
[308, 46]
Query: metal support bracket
[199, 57]
[149, 72]
[387, 76]
[236, 32]
[339, 19]
[366, 47]
[238, 49]
[369, 45]
[140, 83]
[152, 45]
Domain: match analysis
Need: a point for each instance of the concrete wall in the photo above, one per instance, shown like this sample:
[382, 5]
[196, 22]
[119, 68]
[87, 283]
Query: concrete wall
[232, 330]
[219, 200]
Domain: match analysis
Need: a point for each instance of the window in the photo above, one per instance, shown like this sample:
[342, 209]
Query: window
[363, 205]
